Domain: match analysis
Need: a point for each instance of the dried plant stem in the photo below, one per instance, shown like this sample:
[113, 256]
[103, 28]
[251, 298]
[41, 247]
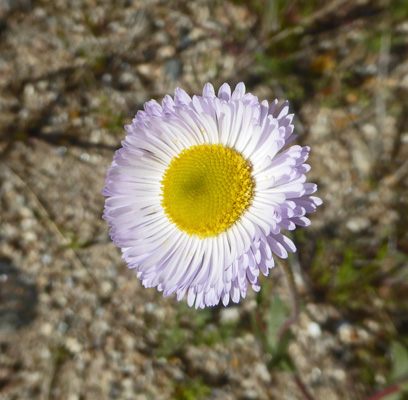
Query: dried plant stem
[395, 388]
[294, 299]
[293, 295]
[301, 386]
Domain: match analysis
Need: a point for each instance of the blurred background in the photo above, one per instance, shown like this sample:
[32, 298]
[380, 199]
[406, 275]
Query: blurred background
[75, 324]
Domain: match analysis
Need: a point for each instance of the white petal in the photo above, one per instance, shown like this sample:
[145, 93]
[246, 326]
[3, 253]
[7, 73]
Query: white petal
[239, 92]
[181, 97]
[208, 90]
[224, 92]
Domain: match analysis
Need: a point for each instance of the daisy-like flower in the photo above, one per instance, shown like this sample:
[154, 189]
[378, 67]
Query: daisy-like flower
[201, 189]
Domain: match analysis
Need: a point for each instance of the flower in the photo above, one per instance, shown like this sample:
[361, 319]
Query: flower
[201, 189]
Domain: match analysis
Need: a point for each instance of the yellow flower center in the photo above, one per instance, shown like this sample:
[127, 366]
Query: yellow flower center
[206, 188]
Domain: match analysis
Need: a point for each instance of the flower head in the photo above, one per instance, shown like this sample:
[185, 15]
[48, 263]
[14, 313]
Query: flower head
[201, 189]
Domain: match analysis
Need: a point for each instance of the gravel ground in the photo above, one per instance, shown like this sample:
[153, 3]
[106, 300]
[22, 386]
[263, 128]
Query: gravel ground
[75, 324]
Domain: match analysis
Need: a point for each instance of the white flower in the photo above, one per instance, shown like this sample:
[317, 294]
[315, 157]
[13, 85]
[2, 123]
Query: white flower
[201, 189]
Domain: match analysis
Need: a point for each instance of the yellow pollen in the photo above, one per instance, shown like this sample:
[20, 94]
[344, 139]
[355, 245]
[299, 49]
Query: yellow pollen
[206, 188]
